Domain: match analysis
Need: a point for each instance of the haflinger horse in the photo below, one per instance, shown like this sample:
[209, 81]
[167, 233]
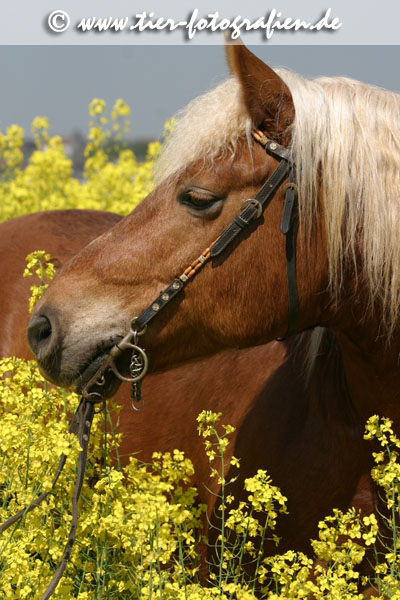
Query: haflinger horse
[174, 398]
[299, 423]
[340, 141]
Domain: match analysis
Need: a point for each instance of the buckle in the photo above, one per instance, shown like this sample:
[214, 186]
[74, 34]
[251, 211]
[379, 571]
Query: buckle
[256, 203]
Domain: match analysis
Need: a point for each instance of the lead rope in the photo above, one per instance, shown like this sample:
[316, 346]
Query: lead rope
[84, 414]
[80, 425]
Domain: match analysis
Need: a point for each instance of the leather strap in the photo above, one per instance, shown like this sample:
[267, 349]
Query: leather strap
[246, 216]
[289, 230]
[162, 300]
[80, 426]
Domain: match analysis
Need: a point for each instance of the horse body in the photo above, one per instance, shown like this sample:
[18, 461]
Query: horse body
[301, 430]
[63, 234]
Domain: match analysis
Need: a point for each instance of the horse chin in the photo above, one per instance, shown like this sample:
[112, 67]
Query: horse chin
[110, 383]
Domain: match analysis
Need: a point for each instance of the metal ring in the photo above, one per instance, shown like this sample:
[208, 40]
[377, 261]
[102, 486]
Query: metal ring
[256, 203]
[117, 373]
[143, 372]
[134, 331]
[93, 397]
[138, 408]
[290, 185]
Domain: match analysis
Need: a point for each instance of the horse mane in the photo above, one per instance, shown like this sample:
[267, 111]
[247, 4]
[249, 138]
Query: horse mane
[346, 145]
[317, 355]
[307, 346]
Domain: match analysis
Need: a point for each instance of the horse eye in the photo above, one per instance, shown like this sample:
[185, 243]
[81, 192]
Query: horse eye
[197, 199]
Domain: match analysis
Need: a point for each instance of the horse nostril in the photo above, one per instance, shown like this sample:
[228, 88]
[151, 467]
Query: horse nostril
[39, 332]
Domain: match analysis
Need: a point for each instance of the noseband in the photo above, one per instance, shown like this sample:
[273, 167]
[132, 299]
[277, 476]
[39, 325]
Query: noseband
[251, 210]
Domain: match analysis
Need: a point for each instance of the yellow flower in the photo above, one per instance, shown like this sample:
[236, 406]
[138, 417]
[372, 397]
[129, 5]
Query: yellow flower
[38, 263]
[139, 528]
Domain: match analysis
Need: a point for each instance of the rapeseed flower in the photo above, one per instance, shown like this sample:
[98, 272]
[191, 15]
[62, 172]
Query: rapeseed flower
[141, 530]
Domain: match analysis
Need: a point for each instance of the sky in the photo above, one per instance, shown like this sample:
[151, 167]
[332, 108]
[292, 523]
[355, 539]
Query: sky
[156, 81]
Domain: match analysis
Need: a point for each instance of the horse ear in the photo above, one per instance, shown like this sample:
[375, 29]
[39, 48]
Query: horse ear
[267, 98]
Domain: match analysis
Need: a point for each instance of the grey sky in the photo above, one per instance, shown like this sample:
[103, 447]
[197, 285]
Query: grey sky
[59, 81]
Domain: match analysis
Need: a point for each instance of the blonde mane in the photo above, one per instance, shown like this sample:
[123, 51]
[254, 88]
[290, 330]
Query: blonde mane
[209, 125]
[346, 145]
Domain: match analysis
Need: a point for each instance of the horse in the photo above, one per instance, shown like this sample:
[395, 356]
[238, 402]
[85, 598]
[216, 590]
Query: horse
[344, 138]
[294, 421]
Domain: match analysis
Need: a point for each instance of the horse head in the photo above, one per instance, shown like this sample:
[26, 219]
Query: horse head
[211, 164]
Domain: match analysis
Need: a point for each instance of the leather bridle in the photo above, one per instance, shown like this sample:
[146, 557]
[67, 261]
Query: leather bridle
[251, 210]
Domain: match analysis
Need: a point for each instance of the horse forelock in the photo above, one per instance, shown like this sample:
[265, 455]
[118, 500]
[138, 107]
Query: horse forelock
[346, 145]
[210, 125]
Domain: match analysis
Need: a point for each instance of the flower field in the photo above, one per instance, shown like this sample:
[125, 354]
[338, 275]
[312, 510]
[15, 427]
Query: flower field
[140, 528]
